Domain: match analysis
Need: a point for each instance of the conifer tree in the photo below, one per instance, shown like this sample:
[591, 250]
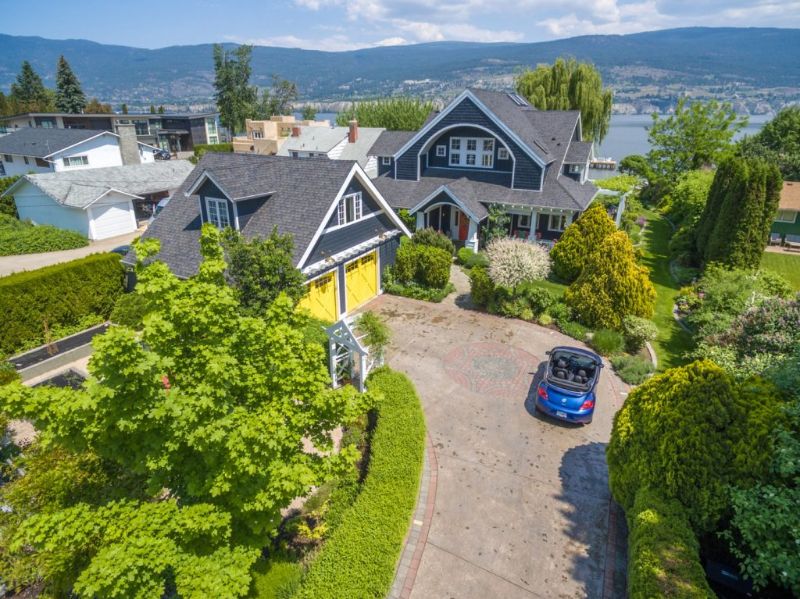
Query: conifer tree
[734, 227]
[69, 95]
[579, 240]
[29, 91]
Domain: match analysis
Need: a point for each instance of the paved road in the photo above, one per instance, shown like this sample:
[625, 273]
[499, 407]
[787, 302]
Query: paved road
[522, 503]
[11, 264]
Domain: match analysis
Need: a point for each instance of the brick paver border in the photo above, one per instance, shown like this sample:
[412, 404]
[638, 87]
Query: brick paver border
[414, 546]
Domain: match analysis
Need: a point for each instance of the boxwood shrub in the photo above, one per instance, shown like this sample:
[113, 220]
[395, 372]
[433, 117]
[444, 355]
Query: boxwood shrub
[60, 295]
[359, 558]
[663, 553]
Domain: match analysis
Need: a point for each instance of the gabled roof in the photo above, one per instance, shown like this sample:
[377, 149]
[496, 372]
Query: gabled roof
[790, 196]
[41, 142]
[325, 139]
[389, 142]
[81, 188]
[298, 194]
[578, 152]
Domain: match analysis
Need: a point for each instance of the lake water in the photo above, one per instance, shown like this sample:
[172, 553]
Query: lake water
[627, 135]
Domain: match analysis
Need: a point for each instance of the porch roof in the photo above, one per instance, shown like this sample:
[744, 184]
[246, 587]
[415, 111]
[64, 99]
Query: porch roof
[559, 192]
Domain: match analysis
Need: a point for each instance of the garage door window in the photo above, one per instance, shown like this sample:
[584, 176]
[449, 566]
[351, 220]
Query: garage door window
[218, 213]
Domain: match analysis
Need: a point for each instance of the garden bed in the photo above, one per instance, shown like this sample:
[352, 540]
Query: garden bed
[57, 348]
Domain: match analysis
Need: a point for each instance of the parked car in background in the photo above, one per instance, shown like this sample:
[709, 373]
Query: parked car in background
[567, 391]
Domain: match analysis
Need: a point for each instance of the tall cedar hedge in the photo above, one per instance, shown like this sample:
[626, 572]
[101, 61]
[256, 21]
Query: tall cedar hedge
[735, 224]
[688, 435]
[359, 558]
[579, 240]
[663, 552]
[34, 301]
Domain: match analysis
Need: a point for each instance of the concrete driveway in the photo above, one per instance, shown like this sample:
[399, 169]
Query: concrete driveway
[522, 503]
[12, 264]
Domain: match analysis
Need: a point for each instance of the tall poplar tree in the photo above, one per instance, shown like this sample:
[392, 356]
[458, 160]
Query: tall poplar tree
[69, 95]
[29, 91]
[236, 98]
[734, 227]
[570, 85]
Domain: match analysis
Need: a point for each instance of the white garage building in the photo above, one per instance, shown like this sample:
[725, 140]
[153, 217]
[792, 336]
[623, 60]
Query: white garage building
[99, 203]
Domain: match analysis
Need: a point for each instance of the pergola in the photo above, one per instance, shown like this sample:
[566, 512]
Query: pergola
[350, 360]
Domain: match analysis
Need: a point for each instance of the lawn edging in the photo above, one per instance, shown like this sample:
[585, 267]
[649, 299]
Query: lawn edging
[360, 557]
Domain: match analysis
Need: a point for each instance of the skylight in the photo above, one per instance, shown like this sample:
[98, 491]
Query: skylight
[518, 100]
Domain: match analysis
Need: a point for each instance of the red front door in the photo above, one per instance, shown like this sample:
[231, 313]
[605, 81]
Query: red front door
[463, 226]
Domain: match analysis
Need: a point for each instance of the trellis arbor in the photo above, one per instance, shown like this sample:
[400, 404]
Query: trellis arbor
[350, 361]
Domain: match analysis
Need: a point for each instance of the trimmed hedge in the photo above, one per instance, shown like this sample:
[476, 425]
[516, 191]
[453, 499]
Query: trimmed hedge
[663, 553]
[21, 237]
[359, 558]
[59, 295]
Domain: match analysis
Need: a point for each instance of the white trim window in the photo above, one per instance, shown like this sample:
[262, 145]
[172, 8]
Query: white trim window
[386, 160]
[786, 216]
[218, 213]
[441, 151]
[350, 209]
[70, 161]
[557, 222]
[524, 221]
[502, 154]
[472, 152]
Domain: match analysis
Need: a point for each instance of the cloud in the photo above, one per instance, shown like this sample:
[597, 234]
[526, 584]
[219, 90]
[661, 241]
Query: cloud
[392, 41]
[333, 43]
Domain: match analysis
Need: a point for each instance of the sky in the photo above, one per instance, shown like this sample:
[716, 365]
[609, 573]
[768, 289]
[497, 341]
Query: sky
[336, 25]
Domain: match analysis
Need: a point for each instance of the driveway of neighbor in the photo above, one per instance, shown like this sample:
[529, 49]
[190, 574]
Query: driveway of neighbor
[12, 264]
[522, 503]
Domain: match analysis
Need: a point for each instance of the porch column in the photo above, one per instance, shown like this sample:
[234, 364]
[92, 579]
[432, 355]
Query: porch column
[420, 220]
[472, 236]
[534, 225]
[332, 361]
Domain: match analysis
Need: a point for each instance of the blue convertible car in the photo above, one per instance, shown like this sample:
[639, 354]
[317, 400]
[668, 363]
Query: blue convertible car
[567, 391]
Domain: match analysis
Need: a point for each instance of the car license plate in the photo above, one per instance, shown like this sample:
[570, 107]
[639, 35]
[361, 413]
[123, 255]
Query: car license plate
[560, 414]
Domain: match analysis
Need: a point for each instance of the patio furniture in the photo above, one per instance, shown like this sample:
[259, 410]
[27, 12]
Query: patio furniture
[775, 239]
[792, 242]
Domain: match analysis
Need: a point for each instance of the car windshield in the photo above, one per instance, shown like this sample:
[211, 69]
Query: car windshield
[572, 370]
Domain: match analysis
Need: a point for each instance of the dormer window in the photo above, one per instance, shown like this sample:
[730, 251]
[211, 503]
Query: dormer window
[386, 160]
[349, 209]
[218, 213]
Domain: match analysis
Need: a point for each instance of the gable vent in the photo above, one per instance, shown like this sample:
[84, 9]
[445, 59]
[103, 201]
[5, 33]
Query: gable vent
[518, 100]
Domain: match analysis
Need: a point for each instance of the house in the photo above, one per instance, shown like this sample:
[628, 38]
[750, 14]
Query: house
[488, 148]
[54, 150]
[172, 132]
[344, 232]
[337, 143]
[787, 220]
[99, 202]
[267, 137]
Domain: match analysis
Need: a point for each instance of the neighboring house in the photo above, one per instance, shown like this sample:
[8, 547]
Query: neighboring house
[267, 137]
[337, 143]
[99, 203]
[488, 148]
[787, 220]
[54, 150]
[171, 132]
[344, 232]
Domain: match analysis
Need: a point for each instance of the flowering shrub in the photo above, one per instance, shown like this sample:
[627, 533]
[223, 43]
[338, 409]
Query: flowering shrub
[513, 261]
[637, 331]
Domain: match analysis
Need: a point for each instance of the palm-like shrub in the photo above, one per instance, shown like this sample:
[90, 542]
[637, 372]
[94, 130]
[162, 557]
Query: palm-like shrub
[690, 433]
[579, 241]
[611, 286]
[513, 261]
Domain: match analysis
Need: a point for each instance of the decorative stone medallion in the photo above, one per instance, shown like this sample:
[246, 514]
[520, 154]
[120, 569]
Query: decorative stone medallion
[491, 367]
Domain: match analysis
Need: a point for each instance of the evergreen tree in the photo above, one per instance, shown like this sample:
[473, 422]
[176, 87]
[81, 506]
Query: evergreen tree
[29, 91]
[236, 98]
[124, 109]
[734, 227]
[778, 142]
[95, 106]
[69, 95]
[579, 240]
[570, 85]
[394, 114]
[152, 109]
[161, 109]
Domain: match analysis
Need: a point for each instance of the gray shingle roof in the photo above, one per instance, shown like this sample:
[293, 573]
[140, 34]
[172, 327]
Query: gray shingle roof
[300, 191]
[40, 142]
[389, 142]
[79, 188]
[359, 151]
[313, 139]
[578, 152]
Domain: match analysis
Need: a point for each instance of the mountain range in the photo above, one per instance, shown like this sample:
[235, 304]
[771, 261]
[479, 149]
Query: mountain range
[650, 67]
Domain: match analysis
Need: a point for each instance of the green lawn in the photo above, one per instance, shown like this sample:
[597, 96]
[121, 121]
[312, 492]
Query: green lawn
[557, 289]
[672, 341]
[786, 265]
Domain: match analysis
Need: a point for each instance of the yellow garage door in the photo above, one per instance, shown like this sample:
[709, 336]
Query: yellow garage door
[321, 298]
[361, 277]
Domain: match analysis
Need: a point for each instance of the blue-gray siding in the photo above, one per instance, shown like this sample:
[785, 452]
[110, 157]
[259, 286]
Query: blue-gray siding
[339, 240]
[385, 168]
[208, 189]
[528, 174]
[368, 204]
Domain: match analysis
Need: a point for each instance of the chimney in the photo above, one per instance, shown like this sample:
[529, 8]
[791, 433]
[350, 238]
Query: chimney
[128, 144]
[295, 131]
[352, 135]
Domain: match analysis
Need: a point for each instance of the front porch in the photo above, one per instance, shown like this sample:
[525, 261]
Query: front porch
[541, 225]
